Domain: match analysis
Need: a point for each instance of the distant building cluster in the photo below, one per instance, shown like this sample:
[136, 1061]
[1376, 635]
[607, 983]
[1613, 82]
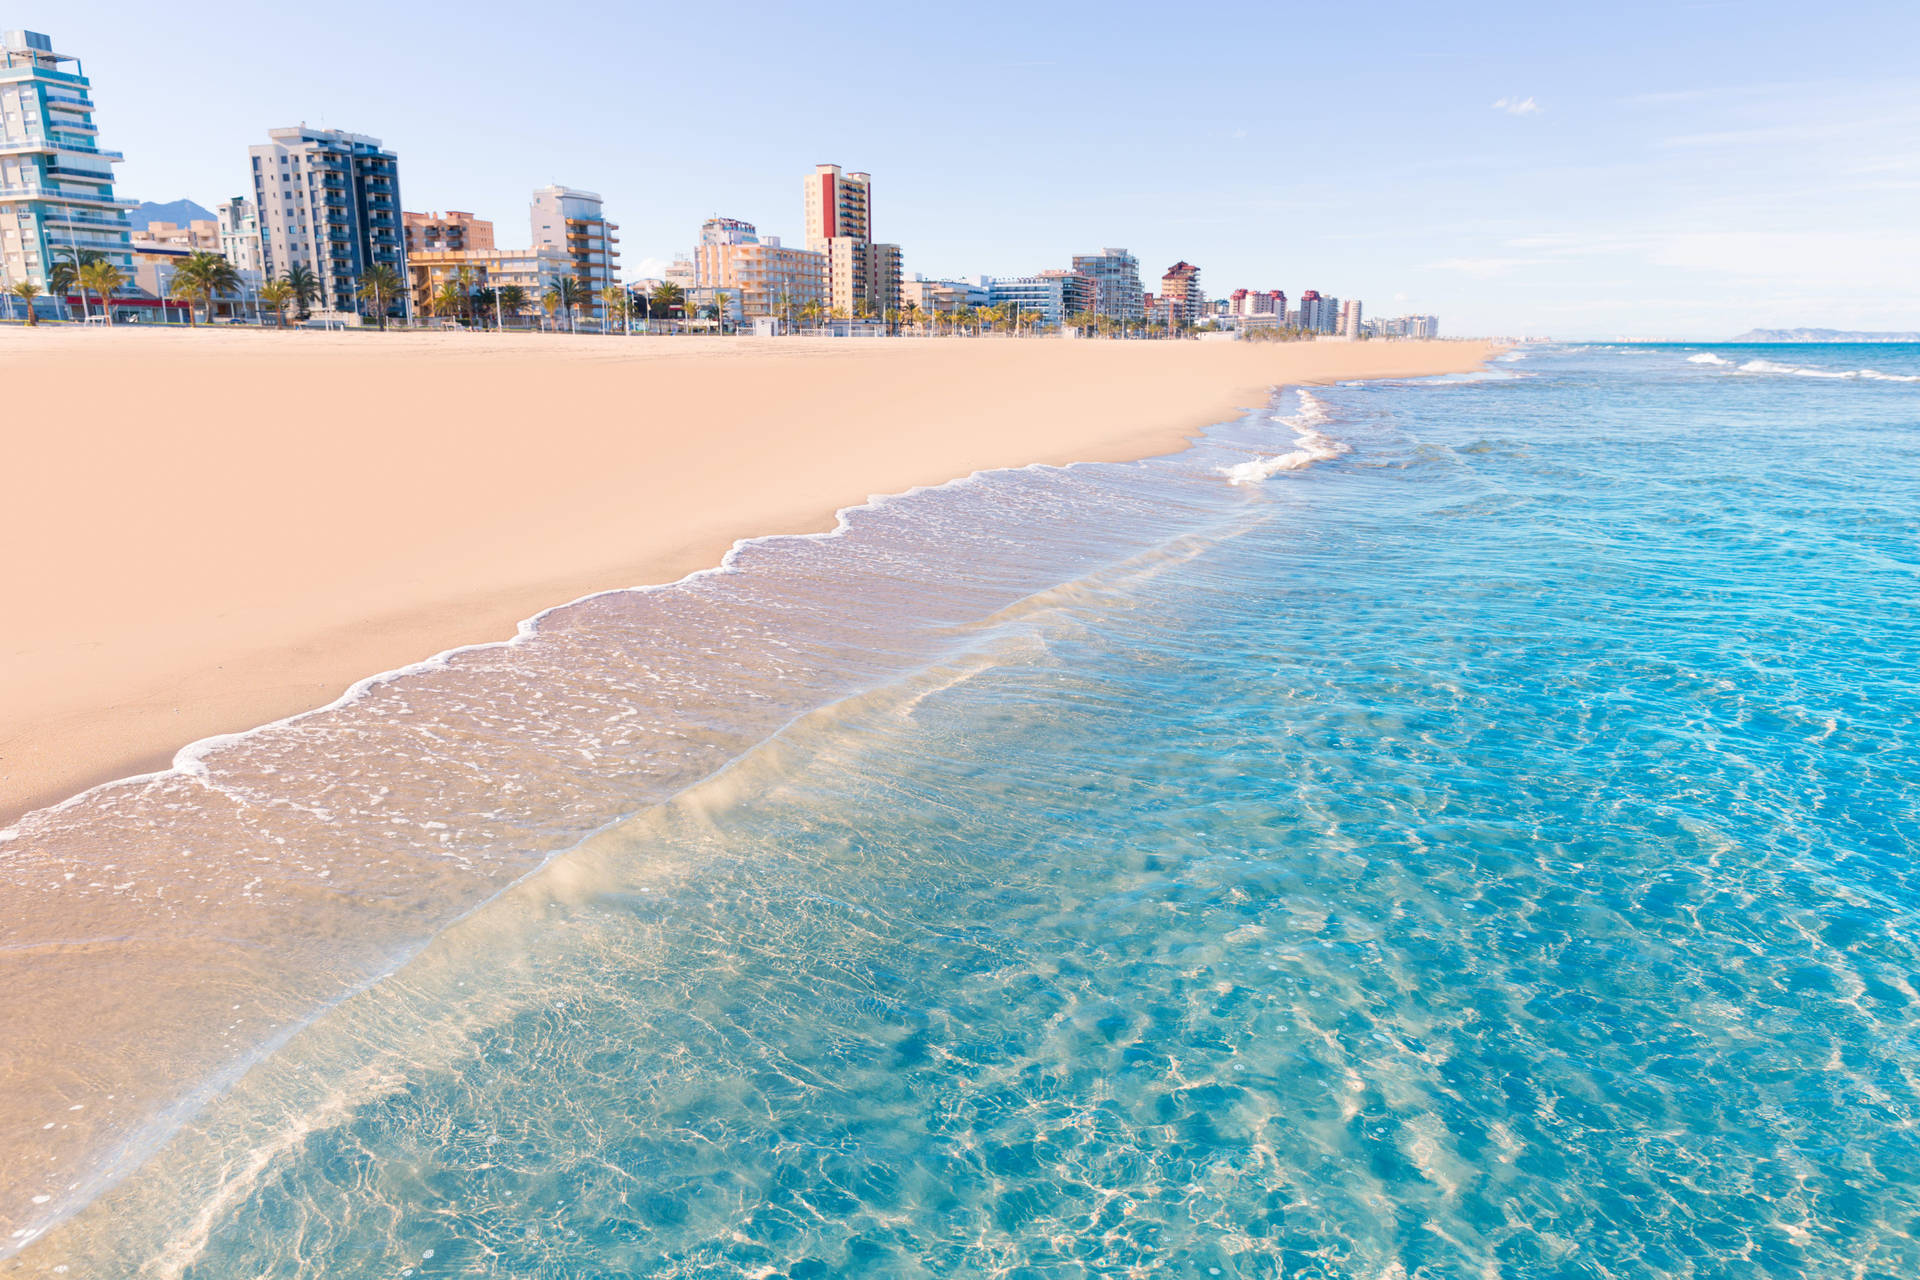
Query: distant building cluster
[1407, 327]
[325, 216]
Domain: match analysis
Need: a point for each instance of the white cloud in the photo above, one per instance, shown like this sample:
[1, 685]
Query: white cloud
[1481, 268]
[1517, 106]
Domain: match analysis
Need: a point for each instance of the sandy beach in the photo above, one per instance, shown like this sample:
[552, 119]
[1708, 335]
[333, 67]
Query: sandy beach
[208, 531]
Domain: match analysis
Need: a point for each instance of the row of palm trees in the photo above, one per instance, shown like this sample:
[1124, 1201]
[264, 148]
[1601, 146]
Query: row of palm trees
[460, 300]
[88, 272]
[962, 320]
[201, 276]
[198, 280]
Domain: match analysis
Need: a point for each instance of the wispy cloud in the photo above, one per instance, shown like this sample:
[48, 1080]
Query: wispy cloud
[1517, 106]
[1481, 268]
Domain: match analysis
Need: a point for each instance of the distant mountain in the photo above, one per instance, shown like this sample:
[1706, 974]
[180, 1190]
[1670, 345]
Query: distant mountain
[179, 212]
[1823, 335]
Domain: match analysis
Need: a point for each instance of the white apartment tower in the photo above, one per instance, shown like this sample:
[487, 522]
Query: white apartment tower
[328, 202]
[56, 181]
[575, 222]
[239, 220]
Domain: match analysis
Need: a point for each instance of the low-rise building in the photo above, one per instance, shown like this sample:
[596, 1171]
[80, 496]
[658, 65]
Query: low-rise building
[532, 270]
[200, 234]
[1055, 295]
[944, 297]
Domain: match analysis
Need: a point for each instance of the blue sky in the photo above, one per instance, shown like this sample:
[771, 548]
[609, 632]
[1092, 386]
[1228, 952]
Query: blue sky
[1572, 169]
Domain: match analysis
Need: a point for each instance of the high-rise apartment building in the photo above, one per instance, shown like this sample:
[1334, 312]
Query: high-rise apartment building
[449, 231]
[765, 277]
[1350, 318]
[239, 221]
[576, 222]
[1257, 303]
[1180, 295]
[1116, 277]
[838, 205]
[56, 183]
[884, 278]
[861, 276]
[329, 201]
[1310, 310]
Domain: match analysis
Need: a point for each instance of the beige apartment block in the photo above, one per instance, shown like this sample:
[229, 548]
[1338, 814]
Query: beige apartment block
[199, 234]
[768, 278]
[431, 232]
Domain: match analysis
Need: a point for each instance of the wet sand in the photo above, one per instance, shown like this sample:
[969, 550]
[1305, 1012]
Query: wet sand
[212, 530]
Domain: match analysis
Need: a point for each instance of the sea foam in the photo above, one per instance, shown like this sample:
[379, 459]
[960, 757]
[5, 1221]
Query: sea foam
[1314, 446]
[1800, 371]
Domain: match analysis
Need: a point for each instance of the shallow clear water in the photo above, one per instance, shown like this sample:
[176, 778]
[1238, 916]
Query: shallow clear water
[1486, 851]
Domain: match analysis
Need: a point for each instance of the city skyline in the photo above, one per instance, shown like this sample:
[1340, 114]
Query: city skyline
[1539, 176]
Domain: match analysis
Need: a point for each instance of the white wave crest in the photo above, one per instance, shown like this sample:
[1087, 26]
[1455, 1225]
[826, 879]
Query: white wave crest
[1313, 447]
[1871, 375]
[1707, 357]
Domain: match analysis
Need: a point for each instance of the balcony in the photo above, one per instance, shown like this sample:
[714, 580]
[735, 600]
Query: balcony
[35, 191]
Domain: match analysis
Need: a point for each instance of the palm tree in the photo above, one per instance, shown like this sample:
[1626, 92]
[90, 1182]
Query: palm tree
[463, 276]
[202, 275]
[449, 301]
[306, 287]
[513, 299]
[550, 302]
[104, 279]
[380, 285]
[720, 310]
[277, 294]
[813, 312]
[666, 296]
[27, 291]
[567, 293]
[614, 299]
[1031, 319]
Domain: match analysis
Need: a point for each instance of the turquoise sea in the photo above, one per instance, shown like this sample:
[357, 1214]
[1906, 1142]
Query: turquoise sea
[1454, 828]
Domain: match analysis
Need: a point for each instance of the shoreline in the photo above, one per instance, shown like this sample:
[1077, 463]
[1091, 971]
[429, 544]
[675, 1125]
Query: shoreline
[104, 694]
